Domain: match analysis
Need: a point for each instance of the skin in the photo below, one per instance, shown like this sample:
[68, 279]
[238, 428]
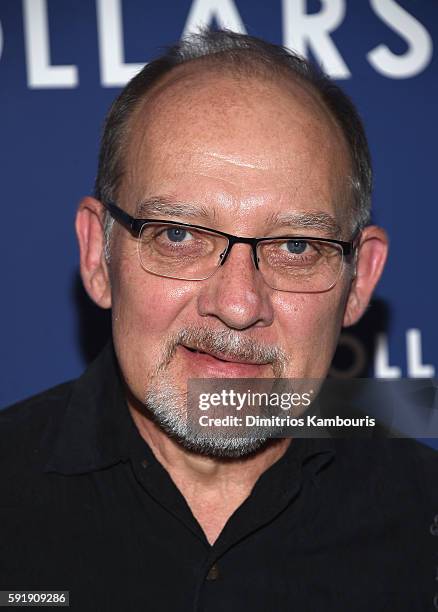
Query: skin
[245, 150]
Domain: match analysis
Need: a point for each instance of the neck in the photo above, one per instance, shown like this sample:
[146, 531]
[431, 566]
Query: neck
[212, 487]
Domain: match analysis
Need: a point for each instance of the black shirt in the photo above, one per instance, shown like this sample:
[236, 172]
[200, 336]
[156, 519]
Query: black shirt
[334, 525]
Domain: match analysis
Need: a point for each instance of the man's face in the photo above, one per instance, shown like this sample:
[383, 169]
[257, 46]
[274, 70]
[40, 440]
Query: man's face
[238, 156]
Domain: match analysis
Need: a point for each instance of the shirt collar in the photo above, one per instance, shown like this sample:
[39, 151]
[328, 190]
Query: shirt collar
[97, 424]
[97, 430]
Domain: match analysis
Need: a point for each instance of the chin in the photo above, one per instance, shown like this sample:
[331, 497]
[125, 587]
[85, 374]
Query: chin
[219, 448]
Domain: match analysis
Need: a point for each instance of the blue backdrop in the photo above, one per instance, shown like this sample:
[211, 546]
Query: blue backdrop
[61, 64]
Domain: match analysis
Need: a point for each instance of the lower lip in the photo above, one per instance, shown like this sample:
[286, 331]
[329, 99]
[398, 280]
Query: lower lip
[207, 366]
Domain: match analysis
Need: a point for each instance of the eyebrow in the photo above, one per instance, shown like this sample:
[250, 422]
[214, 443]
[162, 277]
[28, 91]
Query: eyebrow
[311, 220]
[167, 207]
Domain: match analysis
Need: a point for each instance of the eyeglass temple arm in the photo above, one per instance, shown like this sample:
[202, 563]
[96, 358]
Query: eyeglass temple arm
[352, 250]
[122, 217]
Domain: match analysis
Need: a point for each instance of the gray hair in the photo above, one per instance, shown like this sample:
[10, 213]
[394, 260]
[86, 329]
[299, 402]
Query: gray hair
[246, 55]
[172, 407]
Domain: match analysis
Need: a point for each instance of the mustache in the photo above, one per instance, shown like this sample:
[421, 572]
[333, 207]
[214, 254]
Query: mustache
[228, 342]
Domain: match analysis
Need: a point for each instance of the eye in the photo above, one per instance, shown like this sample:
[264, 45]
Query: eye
[296, 247]
[177, 234]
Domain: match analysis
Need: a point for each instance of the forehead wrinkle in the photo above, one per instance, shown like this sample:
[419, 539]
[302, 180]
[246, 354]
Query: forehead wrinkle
[317, 220]
[238, 160]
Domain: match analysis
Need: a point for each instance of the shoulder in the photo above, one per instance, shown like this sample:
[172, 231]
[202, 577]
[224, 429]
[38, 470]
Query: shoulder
[28, 427]
[401, 468]
[392, 455]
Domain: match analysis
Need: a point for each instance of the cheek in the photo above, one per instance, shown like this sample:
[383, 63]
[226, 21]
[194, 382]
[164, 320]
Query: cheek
[150, 306]
[146, 310]
[309, 326]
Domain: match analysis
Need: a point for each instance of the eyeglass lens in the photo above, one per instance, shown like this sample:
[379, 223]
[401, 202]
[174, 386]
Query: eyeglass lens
[188, 253]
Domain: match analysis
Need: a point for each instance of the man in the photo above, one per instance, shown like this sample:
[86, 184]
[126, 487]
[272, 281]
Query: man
[223, 139]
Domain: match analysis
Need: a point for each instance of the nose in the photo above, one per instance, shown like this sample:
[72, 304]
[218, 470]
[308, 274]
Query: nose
[236, 294]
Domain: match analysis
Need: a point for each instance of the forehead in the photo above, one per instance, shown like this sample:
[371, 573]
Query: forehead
[229, 141]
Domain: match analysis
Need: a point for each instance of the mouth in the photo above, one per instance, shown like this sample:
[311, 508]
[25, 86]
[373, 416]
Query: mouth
[214, 364]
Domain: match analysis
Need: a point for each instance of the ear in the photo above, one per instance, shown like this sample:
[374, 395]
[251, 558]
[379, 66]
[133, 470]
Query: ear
[94, 268]
[370, 260]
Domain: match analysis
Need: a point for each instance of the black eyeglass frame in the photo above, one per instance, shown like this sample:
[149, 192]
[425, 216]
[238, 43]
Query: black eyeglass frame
[135, 226]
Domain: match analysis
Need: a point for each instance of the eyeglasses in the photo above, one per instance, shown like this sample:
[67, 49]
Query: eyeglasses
[298, 264]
